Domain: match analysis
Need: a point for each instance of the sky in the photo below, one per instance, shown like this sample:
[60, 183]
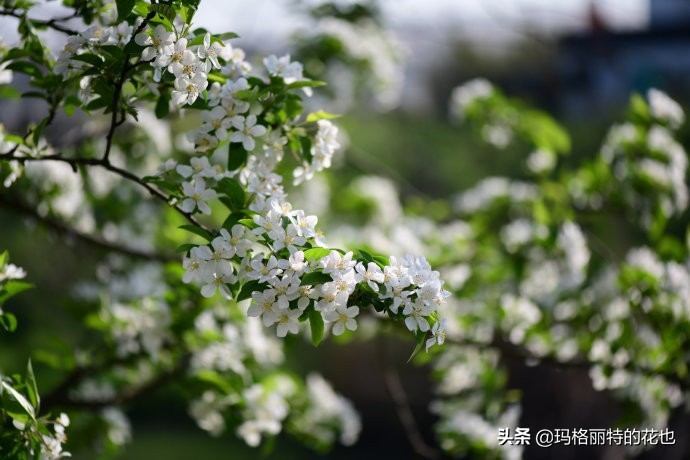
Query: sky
[426, 28]
[269, 22]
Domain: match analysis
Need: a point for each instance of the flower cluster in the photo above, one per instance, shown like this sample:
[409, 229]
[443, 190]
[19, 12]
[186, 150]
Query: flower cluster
[78, 50]
[467, 94]
[643, 156]
[362, 43]
[326, 408]
[141, 326]
[273, 253]
[169, 52]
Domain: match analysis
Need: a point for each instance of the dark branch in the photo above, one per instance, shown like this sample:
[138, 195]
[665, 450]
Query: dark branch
[114, 123]
[52, 23]
[402, 407]
[75, 162]
[64, 229]
[60, 395]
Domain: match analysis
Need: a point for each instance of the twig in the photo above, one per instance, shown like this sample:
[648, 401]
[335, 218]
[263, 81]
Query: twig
[74, 162]
[63, 228]
[402, 407]
[52, 23]
[60, 395]
[126, 67]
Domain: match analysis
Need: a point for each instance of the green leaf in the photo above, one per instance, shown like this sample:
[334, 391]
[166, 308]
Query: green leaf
[320, 115]
[10, 92]
[13, 288]
[26, 67]
[293, 106]
[98, 103]
[316, 253]
[421, 339]
[8, 321]
[34, 94]
[544, 131]
[315, 278]
[247, 289]
[31, 387]
[382, 261]
[167, 11]
[92, 59]
[232, 220]
[364, 256]
[225, 36]
[114, 51]
[214, 379]
[186, 247]
[306, 84]
[219, 78]
[28, 408]
[316, 325]
[232, 189]
[38, 130]
[237, 156]
[247, 94]
[197, 231]
[16, 53]
[124, 8]
[639, 108]
[162, 106]
[14, 139]
[199, 104]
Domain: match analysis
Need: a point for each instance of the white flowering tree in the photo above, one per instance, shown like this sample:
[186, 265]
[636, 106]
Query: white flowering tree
[250, 270]
[177, 173]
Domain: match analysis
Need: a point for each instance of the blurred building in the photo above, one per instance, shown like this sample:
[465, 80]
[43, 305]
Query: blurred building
[599, 68]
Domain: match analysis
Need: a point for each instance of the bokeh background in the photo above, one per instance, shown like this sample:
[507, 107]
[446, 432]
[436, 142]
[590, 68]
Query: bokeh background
[577, 59]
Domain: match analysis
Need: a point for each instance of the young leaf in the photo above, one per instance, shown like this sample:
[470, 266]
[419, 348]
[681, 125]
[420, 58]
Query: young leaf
[167, 11]
[247, 289]
[421, 338]
[124, 7]
[31, 388]
[197, 231]
[316, 253]
[316, 325]
[162, 106]
[13, 288]
[320, 115]
[237, 156]
[10, 92]
[234, 192]
[26, 67]
[231, 220]
[186, 247]
[226, 36]
[316, 278]
[26, 405]
[306, 84]
[8, 321]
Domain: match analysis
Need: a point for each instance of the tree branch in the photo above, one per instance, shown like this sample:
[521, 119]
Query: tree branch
[118, 89]
[63, 228]
[402, 407]
[52, 23]
[60, 395]
[75, 162]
